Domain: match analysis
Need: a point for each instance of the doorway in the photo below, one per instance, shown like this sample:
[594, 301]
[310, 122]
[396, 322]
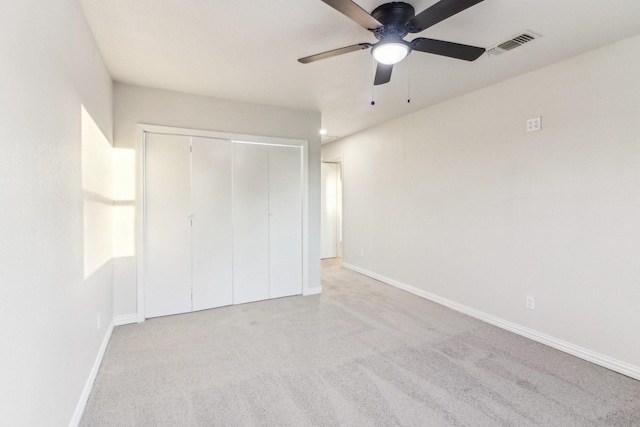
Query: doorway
[331, 204]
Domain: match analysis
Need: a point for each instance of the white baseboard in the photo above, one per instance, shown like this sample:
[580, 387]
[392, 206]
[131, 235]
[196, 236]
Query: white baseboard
[127, 319]
[84, 397]
[314, 291]
[581, 352]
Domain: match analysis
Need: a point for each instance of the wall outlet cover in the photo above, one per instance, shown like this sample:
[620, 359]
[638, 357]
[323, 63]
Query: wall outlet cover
[534, 124]
[530, 302]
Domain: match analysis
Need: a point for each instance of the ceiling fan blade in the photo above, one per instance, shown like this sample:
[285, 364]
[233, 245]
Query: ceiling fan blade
[355, 12]
[439, 12]
[450, 49]
[383, 74]
[335, 52]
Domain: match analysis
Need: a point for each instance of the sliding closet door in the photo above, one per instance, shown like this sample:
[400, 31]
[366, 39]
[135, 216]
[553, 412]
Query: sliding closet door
[212, 225]
[285, 221]
[250, 222]
[168, 225]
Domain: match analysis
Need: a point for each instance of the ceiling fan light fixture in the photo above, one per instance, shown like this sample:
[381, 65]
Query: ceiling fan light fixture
[390, 53]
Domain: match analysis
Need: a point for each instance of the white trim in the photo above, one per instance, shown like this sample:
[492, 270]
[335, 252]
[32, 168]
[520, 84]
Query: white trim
[140, 210]
[567, 347]
[314, 291]
[127, 319]
[143, 129]
[305, 218]
[84, 397]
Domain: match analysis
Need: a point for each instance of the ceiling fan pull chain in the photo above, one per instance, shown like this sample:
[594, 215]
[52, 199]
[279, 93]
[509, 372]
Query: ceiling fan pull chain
[409, 81]
[373, 102]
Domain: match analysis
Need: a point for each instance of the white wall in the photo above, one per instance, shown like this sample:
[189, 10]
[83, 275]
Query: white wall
[459, 201]
[135, 105]
[54, 277]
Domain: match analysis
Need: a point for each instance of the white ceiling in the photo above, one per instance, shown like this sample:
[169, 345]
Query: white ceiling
[247, 50]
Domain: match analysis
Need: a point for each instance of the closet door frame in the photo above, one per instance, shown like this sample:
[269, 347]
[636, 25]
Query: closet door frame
[144, 129]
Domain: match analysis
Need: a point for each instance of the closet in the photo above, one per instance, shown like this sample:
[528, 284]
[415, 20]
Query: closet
[223, 222]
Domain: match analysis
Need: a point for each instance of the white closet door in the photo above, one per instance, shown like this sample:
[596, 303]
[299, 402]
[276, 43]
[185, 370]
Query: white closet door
[168, 226]
[250, 223]
[285, 221]
[212, 223]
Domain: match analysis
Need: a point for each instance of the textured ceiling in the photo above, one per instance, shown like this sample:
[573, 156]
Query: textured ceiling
[247, 50]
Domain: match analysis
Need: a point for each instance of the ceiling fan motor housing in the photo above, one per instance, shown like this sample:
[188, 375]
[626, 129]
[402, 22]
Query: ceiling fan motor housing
[394, 18]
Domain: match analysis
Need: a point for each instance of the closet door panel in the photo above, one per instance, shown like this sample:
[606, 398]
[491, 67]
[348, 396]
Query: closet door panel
[168, 228]
[285, 221]
[212, 223]
[250, 223]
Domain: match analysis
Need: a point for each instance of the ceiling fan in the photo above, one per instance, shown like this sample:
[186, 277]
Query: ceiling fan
[390, 23]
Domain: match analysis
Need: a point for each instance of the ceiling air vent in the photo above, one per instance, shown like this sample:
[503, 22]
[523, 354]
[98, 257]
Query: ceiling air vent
[512, 43]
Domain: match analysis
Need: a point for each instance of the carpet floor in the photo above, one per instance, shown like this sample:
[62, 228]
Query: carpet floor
[361, 354]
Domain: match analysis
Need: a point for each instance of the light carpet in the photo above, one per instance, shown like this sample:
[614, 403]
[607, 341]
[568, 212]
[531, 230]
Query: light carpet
[361, 354]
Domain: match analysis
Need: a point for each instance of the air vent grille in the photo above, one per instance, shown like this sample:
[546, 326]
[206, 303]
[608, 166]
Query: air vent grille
[513, 43]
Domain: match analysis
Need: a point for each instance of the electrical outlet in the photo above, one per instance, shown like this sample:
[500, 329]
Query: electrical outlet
[531, 303]
[361, 253]
[534, 124]
[98, 322]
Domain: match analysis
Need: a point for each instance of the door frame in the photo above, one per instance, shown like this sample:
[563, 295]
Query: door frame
[340, 228]
[140, 208]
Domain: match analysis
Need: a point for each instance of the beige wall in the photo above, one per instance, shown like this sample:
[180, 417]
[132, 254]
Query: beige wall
[55, 236]
[135, 105]
[459, 201]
